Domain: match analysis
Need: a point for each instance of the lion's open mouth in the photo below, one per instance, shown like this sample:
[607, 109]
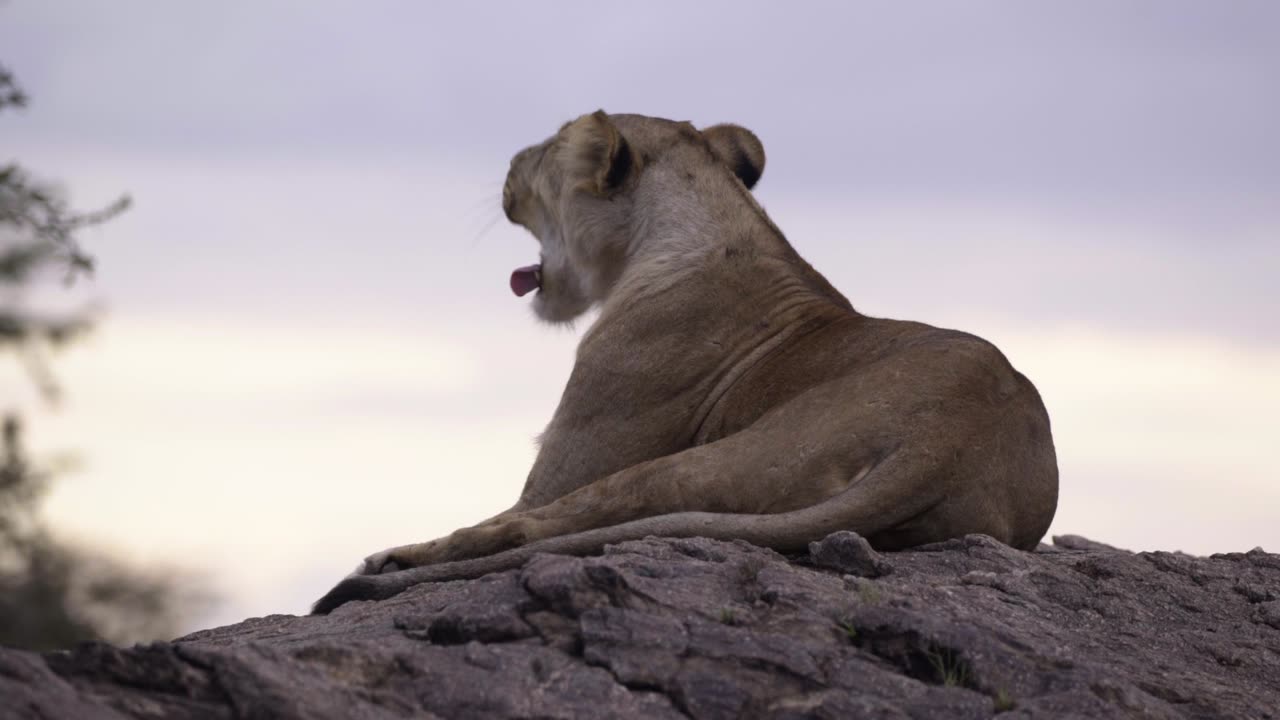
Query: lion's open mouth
[526, 279]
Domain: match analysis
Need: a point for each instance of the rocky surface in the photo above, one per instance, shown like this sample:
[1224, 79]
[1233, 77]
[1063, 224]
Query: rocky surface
[665, 628]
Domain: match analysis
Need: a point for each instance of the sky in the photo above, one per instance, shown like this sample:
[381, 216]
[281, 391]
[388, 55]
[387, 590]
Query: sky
[308, 351]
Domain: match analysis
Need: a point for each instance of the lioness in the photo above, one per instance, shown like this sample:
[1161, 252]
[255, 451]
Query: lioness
[727, 389]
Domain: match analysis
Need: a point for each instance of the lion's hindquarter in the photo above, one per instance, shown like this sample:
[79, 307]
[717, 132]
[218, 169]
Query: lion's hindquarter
[904, 433]
[913, 434]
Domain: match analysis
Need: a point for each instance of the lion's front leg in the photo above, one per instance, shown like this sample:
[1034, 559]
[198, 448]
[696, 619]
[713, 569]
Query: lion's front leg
[693, 480]
[668, 484]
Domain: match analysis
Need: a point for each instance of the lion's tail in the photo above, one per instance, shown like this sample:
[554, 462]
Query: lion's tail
[860, 508]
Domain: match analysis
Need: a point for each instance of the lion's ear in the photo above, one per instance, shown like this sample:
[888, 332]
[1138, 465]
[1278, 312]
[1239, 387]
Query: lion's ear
[598, 156]
[740, 149]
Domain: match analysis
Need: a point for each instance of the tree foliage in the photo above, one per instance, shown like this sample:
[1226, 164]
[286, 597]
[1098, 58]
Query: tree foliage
[37, 236]
[52, 593]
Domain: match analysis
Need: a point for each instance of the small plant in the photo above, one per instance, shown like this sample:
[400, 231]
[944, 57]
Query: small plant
[952, 670]
[749, 569]
[1003, 701]
[870, 593]
[850, 630]
[727, 616]
[749, 578]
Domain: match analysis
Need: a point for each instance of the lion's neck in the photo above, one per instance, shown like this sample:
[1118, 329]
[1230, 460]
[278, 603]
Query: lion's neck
[706, 229]
[756, 273]
[715, 289]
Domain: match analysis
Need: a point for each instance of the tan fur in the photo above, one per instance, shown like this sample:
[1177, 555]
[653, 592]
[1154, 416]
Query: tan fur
[727, 389]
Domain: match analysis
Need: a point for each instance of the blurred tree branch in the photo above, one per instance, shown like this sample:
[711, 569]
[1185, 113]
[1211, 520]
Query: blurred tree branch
[37, 233]
[53, 594]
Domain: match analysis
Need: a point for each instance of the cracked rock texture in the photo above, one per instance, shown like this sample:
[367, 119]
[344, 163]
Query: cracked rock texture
[664, 628]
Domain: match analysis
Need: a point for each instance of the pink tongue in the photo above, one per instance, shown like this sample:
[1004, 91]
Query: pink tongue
[526, 279]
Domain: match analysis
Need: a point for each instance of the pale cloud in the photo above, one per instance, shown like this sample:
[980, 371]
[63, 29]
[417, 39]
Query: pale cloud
[951, 263]
[209, 362]
[1163, 443]
[257, 453]
[1170, 436]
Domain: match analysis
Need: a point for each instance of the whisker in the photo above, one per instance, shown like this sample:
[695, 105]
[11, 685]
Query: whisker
[482, 206]
[485, 230]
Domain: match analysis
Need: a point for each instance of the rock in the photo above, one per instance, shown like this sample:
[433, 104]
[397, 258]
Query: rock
[1075, 542]
[676, 628]
[1269, 613]
[849, 552]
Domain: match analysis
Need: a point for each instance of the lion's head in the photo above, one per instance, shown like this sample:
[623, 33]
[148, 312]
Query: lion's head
[592, 192]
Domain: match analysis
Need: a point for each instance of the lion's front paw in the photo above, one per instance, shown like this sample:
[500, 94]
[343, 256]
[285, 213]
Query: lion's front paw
[387, 561]
[400, 558]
